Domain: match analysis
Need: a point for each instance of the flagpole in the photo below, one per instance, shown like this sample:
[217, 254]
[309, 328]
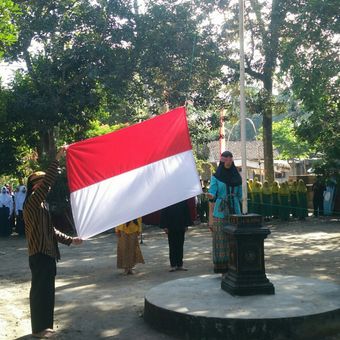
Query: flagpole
[243, 110]
[222, 135]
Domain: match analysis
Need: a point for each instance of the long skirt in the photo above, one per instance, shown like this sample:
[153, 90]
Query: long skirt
[128, 251]
[275, 204]
[220, 246]
[284, 208]
[250, 203]
[294, 204]
[257, 203]
[267, 205]
[302, 212]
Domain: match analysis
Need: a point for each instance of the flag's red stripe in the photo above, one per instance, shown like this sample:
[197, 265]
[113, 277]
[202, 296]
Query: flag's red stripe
[96, 159]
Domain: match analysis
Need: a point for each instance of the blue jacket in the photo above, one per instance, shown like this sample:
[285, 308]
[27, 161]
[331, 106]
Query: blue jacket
[219, 190]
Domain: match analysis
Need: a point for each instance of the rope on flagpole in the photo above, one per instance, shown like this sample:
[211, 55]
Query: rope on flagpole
[190, 69]
[191, 62]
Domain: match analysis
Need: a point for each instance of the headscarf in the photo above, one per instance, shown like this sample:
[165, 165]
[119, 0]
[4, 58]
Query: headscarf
[135, 221]
[266, 189]
[231, 176]
[284, 189]
[5, 198]
[275, 187]
[257, 187]
[293, 187]
[20, 198]
[251, 184]
[301, 187]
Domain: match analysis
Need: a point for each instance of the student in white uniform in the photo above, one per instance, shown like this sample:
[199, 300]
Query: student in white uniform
[6, 210]
[19, 200]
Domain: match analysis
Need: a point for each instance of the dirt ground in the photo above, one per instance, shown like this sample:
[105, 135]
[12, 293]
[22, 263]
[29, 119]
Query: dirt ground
[94, 300]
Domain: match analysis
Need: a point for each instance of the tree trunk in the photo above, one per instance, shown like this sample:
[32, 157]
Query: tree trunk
[278, 14]
[47, 148]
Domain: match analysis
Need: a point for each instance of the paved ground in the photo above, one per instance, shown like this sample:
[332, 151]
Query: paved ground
[95, 301]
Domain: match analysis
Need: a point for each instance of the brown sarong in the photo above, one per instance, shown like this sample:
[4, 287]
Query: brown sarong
[128, 251]
[220, 246]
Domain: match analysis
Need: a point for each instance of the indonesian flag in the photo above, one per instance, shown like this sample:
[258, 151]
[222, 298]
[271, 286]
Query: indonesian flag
[130, 173]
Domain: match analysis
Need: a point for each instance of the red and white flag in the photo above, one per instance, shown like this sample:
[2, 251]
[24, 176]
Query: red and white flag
[130, 173]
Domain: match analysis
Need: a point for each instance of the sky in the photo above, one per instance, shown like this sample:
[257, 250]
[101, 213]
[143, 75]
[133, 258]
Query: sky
[7, 71]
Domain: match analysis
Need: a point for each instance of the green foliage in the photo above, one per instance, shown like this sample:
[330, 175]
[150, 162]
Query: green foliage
[99, 57]
[96, 128]
[287, 142]
[205, 169]
[178, 59]
[8, 31]
[285, 38]
[64, 86]
[322, 128]
[312, 61]
[203, 128]
[104, 63]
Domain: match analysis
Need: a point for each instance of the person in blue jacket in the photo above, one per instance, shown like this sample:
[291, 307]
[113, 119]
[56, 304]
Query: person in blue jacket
[225, 195]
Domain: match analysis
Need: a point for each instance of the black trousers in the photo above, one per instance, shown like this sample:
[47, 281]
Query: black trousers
[20, 225]
[176, 243]
[5, 226]
[43, 269]
[318, 206]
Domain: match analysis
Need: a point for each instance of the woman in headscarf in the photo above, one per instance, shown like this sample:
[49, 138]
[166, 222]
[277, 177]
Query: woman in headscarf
[293, 199]
[250, 196]
[302, 212]
[225, 194]
[6, 210]
[19, 200]
[284, 201]
[128, 250]
[275, 199]
[257, 195]
[267, 201]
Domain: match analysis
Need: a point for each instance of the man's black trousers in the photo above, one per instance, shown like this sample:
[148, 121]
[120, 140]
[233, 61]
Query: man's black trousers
[176, 243]
[43, 269]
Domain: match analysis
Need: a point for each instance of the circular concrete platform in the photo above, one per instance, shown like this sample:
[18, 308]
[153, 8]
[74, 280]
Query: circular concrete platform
[197, 308]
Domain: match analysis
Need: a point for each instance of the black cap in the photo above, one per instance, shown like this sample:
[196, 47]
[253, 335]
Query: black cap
[227, 154]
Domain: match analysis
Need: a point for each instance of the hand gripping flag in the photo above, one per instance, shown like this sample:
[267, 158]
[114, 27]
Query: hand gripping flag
[130, 173]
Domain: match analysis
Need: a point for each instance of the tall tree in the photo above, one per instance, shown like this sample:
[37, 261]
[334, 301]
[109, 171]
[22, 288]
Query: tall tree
[80, 48]
[264, 23]
[178, 57]
[269, 26]
[312, 61]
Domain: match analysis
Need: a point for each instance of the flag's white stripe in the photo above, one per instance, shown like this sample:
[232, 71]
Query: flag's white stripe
[139, 192]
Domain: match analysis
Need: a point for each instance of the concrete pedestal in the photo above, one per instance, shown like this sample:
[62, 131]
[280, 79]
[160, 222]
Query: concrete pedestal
[246, 269]
[197, 308]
